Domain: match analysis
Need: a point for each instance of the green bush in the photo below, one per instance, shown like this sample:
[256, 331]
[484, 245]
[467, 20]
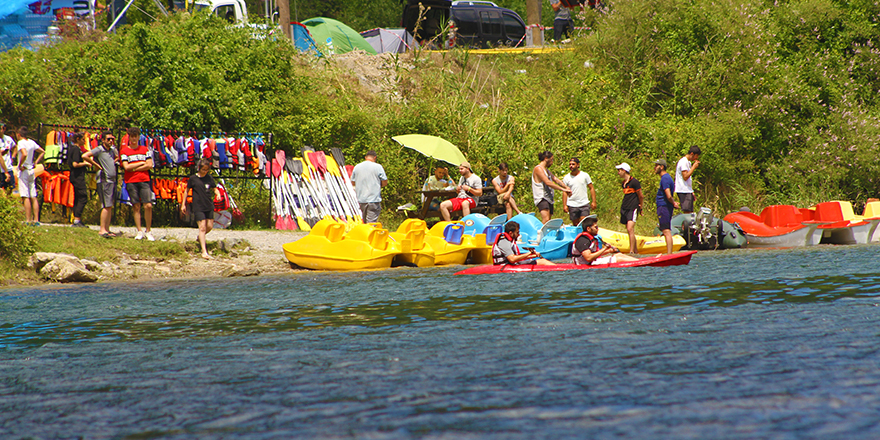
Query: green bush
[17, 241]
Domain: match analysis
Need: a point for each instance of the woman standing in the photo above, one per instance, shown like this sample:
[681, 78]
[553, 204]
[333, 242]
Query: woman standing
[202, 184]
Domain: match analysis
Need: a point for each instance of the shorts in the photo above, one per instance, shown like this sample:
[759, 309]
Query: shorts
[9, 180]
[664, 216]
[371, 211]
[575, 213]
[27, 184]
[687, 201]
[628, 215]
[106, 193]
[456, 203]
[605, 259]
[203, 215]
[140, 192]
[545, 205]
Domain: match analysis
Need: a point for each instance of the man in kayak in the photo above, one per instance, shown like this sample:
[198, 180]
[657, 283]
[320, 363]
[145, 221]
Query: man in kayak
[505, 250]
[665, 202]
[587, 249]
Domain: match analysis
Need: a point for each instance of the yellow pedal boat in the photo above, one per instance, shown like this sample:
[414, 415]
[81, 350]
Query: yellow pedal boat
[646, 245]
[415, 250]
[449, 243]
[328, 247]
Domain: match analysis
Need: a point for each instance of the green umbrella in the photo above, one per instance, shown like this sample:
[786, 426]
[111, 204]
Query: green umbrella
[432, 146]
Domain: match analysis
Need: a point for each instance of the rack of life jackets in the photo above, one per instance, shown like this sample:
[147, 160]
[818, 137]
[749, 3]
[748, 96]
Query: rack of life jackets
[171, 150]
[55, 180]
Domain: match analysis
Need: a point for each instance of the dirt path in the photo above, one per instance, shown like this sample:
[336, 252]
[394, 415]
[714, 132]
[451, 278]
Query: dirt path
[261, 255]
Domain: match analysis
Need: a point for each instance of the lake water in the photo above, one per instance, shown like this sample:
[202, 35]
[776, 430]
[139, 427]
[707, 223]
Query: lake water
[751, 344]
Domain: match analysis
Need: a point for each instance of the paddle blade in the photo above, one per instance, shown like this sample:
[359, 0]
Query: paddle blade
[302, 224]
[337, 154]
[297, 166]
[320, 161]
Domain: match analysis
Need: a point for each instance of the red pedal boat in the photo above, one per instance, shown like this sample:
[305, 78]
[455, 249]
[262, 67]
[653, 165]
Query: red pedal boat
[678, 259]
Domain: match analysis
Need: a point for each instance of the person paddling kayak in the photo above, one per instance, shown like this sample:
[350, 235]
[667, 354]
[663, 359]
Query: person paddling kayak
[586, 247]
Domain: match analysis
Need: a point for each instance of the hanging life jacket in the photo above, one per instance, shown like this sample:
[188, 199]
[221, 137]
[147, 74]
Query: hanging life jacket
[222, 203]
[498, 258]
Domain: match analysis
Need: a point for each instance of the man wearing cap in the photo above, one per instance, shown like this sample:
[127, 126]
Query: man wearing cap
[665, 202]
[368, 178]
[683, 182]
[469, 186]
[578, 204]
[631, 206]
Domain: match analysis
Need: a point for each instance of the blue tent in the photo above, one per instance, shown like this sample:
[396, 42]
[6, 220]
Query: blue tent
[302, 39]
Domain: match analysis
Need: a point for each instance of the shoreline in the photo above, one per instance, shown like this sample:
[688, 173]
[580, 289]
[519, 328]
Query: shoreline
[262, 255]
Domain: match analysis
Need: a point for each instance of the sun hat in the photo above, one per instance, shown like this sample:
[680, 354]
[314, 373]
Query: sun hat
[661, 162]
[467, 165]
[624, 166]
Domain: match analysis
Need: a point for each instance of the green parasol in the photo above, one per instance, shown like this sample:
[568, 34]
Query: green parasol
[432, 146]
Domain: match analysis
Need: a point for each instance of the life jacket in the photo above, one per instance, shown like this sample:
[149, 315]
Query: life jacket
[497, 257]
[221, 204]
[575, 253]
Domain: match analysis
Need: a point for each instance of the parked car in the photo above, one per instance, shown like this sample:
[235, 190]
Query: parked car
[480, 24]
[484, 24]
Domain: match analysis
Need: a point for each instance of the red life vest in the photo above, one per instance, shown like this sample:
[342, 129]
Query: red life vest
[497, 257]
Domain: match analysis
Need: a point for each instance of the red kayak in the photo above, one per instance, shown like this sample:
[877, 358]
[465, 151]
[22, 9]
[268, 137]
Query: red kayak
[678, 259]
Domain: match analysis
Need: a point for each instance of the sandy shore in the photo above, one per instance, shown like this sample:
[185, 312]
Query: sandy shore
[262, 254]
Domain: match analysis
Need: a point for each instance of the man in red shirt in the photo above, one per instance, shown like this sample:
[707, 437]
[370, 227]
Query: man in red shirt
[137, 160]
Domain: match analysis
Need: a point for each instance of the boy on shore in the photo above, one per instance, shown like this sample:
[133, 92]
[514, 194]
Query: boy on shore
[204, 192]
[683, 183]
[631, 206]
[104, 158]
[665, 202]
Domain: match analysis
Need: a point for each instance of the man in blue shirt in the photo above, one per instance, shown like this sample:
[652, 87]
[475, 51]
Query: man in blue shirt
[665, 202]
[369, 178]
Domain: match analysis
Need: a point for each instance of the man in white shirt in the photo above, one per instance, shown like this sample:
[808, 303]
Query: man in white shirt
[368, 178]
[683, 182]
[29, 155]
[578, 205]
[469, 186]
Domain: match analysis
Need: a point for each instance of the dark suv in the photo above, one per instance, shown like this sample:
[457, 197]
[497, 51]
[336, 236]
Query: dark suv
[473, 23]
[484, 24]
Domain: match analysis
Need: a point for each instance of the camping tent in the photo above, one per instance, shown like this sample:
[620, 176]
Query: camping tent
[390, 40]
[332, 37]
[301, 38]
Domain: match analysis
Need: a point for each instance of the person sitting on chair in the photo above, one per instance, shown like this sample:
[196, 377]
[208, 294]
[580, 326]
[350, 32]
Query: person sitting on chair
[586, 248]
[469, 186]
[437, 182]
[503, 184]
[505, 250]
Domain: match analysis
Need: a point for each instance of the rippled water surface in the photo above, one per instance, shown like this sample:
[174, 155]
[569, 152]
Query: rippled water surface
[739, 344]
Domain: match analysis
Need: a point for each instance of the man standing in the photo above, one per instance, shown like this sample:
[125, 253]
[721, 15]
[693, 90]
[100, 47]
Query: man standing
[29, 155]
[7, 154]
[562, 24]
[137, 161]
[683, 182]
[543, 184]
[368, 178]
[578, 205]
[631, 206]
[103, 158]
[469, 185]
[78, 177]
[665, 202]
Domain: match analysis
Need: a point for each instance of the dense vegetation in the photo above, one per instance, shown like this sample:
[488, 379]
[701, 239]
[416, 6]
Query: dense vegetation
[781, 96]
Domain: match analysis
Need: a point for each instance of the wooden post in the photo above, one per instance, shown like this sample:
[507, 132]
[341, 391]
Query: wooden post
[284, 17]
[533, 20]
